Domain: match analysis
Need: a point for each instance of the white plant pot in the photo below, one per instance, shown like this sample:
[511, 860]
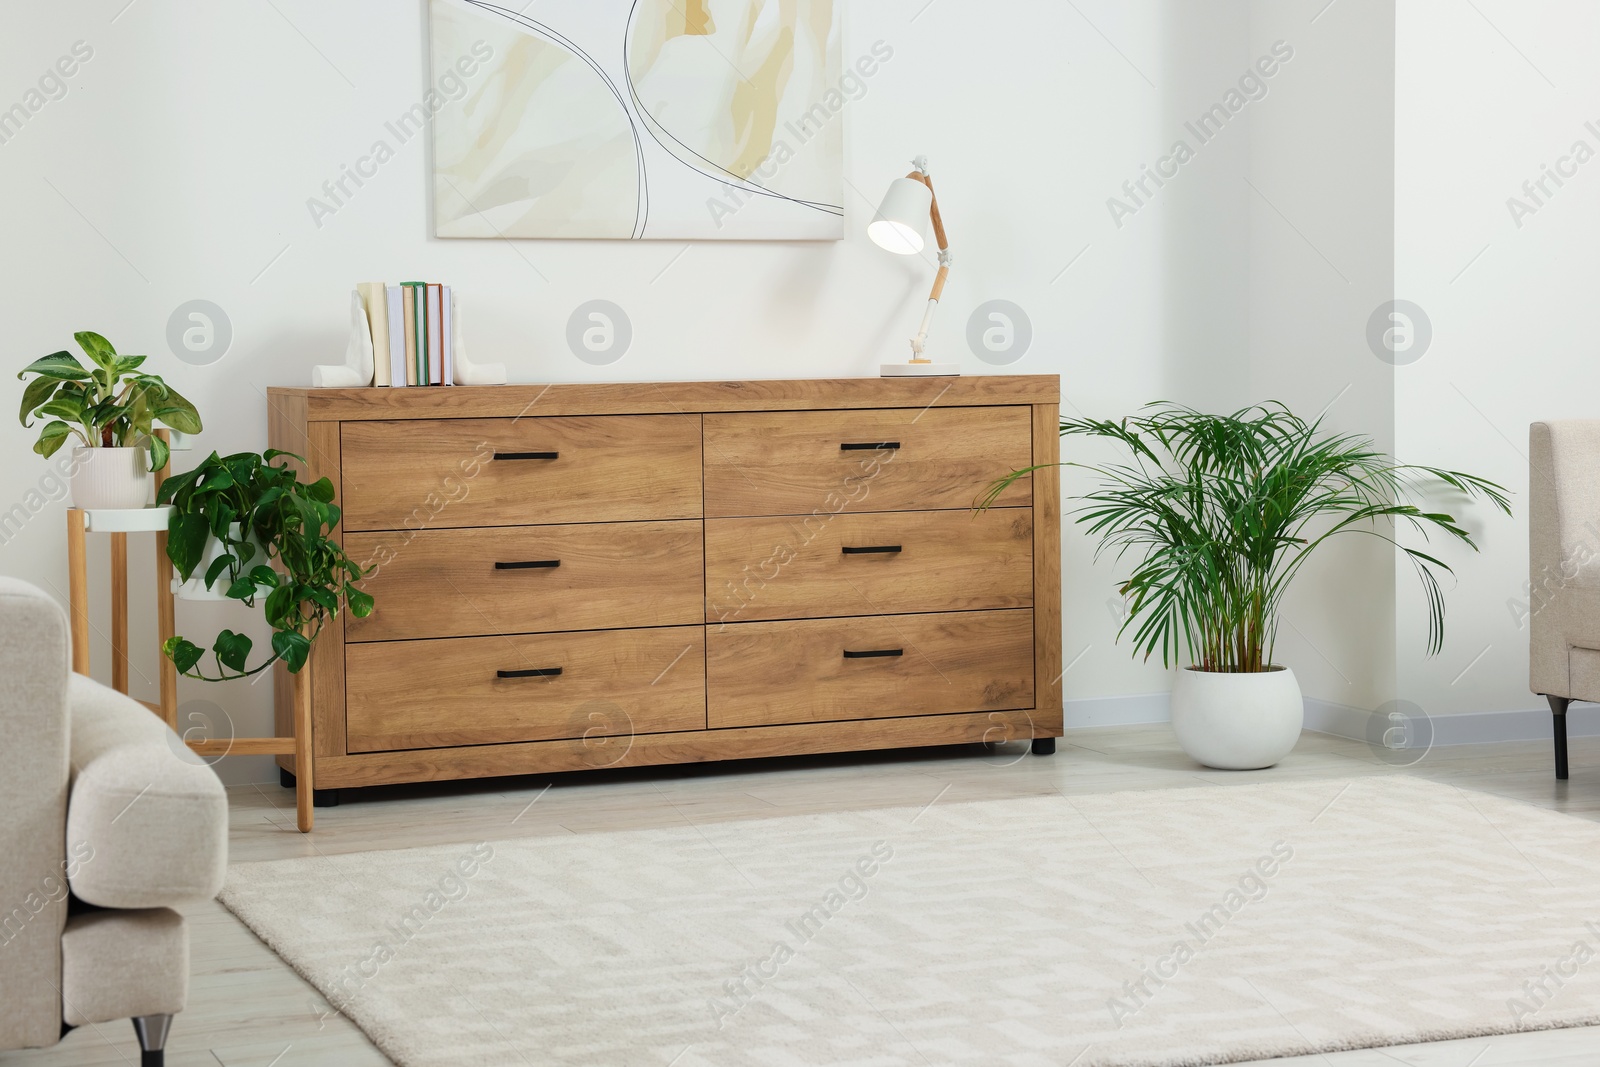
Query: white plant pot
[195, 587]
[111, 478]
[1237, 722]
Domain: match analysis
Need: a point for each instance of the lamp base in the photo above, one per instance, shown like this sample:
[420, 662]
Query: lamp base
[919, 370]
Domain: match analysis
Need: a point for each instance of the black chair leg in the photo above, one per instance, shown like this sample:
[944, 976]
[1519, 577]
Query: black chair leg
[152, 1031]
[1558, 714]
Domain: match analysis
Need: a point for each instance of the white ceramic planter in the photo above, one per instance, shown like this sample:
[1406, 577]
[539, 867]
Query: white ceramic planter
[111, 478]
[1237, 722]
[195, 587]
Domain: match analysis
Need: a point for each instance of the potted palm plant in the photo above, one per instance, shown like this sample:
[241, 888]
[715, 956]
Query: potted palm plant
[1219, 514]
[112, 411]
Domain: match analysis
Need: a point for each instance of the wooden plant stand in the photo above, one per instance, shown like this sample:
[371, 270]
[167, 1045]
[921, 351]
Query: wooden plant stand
[120, 523]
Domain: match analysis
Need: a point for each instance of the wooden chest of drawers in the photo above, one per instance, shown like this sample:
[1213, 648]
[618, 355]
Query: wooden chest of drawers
[584, 576]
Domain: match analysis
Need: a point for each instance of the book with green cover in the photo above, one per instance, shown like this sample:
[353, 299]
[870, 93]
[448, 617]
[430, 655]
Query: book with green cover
[420, 356]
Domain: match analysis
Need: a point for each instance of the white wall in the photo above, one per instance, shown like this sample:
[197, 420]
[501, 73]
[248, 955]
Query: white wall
[178, 164]
[1321, 259]
[1486, 97]
[179, 161]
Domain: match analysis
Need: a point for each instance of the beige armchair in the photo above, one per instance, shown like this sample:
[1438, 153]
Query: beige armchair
[110, 824]
[1563, 601]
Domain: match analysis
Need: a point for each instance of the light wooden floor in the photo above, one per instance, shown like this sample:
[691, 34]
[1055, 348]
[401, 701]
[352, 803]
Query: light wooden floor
[248, 1009]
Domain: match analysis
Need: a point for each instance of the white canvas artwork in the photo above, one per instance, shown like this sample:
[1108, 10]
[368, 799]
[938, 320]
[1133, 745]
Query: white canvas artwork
[638, 119]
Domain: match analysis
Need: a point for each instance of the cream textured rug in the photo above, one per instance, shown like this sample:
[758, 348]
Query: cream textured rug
[1171, 927]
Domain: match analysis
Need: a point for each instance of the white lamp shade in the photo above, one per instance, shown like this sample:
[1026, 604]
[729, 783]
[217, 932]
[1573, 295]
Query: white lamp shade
[898, 224]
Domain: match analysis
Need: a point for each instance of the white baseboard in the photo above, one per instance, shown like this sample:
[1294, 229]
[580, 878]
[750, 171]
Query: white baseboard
[1342, 720]
[1133, 710]
[1477, 727]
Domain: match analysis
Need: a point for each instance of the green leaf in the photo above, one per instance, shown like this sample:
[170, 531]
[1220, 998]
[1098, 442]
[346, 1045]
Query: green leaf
[279, 602]
[51, 438]
[159, 453]
[182, 652]
[63, 407]
[96, 348]
[37, 393]
[360, 603]
[215, 480]
[242, 589]
[223, 564]
[62, 366]
[124, 364]
[321, 490]
[232, 649]
[177, 484]
[186, 541]
[264, 577]
[177, 412]
[293, 647]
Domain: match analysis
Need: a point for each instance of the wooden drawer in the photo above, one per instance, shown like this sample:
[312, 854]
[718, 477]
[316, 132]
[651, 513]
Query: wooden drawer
[763, 673]
[434, 473]
[529, 579]
[892, 562]
[612, 683]
[895, 459]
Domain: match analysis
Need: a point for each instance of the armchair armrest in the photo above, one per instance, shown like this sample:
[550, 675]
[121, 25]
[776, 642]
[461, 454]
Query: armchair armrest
[149, 817]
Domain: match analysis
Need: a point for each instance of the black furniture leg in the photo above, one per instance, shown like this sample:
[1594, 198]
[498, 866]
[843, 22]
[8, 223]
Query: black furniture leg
[320, 798]
[152, 1031]
[1558, 714]
[1044, 746]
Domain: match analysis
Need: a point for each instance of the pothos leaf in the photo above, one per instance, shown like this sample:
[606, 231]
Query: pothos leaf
[293, 647]
[183, 653]
[232, 649]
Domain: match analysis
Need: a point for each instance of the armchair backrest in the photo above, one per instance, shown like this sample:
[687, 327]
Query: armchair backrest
[34, 720]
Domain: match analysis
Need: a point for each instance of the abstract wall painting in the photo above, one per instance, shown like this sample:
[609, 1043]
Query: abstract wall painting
[638, 119]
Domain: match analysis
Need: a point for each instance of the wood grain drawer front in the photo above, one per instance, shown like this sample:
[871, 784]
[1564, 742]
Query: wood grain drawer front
[896, 459]
[881, 563]
[490, 690]
[435, 473]
[529, 579]
[825, 670]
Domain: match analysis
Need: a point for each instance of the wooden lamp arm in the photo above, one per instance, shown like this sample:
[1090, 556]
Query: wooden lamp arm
[921, 340]
[938, 236]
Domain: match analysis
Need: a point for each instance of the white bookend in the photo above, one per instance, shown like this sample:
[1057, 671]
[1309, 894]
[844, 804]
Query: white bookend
[373, 296]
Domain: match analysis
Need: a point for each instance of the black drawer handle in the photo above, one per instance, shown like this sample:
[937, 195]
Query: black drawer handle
[532, 672]
[868, 446]
[851, 550]
[527, 455]
[526, 564]
[874, 653]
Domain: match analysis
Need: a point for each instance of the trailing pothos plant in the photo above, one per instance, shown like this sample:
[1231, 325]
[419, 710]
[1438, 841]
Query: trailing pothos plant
[106, 406]
[262, 514]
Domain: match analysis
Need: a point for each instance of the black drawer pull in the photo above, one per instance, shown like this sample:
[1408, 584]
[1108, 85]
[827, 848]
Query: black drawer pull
[532, 672]
[874, 653]
[526, 564]
[868, 446]
[527, 455]
[850, 550]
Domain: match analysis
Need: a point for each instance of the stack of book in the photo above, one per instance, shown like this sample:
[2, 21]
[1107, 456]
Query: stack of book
[411, 333]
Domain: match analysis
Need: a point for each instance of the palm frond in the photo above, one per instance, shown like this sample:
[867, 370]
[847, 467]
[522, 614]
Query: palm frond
[1216, 514]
